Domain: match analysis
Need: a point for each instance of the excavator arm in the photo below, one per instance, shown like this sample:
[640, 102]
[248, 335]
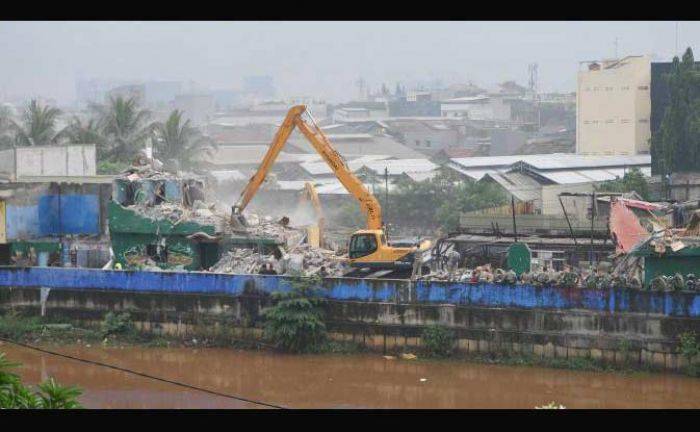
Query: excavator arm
[278, 142]
[368, 203]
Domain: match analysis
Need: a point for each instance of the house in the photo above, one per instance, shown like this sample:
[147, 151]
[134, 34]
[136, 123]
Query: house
[45, 218]
[358, 144]
[482, 107]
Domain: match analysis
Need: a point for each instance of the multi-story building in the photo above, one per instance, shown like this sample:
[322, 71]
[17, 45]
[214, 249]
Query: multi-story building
[613, 106]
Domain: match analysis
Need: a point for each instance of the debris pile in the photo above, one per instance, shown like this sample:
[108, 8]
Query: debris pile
[242, 261]
[315, 261]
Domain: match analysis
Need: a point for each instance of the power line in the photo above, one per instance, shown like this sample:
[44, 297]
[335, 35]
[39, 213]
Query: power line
[141, 374]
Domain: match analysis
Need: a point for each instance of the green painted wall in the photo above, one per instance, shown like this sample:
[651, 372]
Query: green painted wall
[670, 265]
[39, 246]
[135, 237]
[686, 260]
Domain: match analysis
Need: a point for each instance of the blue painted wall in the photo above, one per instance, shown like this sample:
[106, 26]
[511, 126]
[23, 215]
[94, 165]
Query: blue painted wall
[53, 216]
[21, 222]
[485, 295]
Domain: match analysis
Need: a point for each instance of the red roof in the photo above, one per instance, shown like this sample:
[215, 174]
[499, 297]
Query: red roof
[625, 227]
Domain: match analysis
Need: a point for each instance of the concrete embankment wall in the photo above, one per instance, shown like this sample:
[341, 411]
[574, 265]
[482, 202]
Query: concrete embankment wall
[616, 326]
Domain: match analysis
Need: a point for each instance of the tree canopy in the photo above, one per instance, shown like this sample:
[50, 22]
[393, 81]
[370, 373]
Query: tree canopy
[179, 141]
[37, 126]
[676, 146]
[435, 202]
[633, 181]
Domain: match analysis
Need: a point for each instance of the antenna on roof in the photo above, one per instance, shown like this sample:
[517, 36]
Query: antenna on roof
[676, 51]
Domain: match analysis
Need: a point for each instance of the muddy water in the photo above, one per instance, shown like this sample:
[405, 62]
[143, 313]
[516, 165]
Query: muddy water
[361, 381]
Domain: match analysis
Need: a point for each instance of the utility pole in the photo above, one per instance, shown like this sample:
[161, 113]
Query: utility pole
[386, 192]
[592, 222]
[676, 51]
[512, 207]
[571, 230]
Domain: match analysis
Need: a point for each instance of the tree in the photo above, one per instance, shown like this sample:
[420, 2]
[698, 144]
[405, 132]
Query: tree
[676, 146]
[50, 395]
[125, 127]
[84, 132]
[296, 322]
[633, 181]
[6, 138]
[38, 126]
[180, 141]
[436, 202]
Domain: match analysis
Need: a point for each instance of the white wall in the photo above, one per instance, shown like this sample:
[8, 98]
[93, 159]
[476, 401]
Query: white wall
[613, 109]
[75, 160]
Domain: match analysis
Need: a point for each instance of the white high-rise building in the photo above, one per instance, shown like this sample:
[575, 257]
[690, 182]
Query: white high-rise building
[613, 107]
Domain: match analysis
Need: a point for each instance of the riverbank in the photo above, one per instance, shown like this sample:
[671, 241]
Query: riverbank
[119, 331]
[337, 381]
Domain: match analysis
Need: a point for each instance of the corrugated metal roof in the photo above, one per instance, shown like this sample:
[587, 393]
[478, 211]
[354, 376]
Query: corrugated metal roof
[400, 166]
[585, 176]
[251, 154]
[555, 161]
[337, 188]
[486, 161]
[474, 174]
[421, 176]
[521, 186]
[374, 145]
[322, 168]
[565, 177]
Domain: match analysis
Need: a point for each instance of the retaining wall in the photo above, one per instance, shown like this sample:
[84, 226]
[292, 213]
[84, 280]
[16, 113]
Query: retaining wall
[388, 316]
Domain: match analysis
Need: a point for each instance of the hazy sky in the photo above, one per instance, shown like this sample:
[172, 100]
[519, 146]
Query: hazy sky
[317, 58]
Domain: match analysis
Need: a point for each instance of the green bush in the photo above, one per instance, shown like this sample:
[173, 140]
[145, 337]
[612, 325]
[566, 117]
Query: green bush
[50, 395]
[438, 341]
[689, 348]
[296, 322]
[115, 324]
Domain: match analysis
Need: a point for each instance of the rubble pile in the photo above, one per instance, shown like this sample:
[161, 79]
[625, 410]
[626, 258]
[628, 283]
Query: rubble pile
[318, 261]
[242, 261]
[297, 257]
[266, 226]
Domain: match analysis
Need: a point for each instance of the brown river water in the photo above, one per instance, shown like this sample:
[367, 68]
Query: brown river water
[337, 381]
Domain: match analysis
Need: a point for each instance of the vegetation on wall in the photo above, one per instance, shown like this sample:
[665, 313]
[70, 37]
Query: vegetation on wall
[689, 348]
[296, 322]
[676, 146]
[438, 341]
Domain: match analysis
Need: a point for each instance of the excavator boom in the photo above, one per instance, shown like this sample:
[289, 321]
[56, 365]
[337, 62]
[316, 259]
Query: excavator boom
[319, 141]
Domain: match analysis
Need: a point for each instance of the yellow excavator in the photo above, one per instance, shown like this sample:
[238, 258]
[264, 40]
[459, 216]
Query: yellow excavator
[316, 231]
[368, 248]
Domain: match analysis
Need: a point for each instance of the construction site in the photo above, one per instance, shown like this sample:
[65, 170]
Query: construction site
[164, 241]
[160, 221]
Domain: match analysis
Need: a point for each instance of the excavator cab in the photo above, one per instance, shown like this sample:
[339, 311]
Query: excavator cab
[369, 248]
[362, 245]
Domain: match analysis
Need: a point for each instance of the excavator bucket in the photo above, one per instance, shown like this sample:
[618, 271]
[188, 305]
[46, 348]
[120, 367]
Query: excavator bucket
[238, 222]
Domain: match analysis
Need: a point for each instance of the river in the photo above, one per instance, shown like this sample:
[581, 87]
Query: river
[337, 381]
